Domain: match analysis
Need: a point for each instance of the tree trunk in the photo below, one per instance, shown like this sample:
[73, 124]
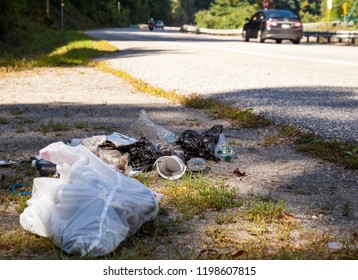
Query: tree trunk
[48, 9]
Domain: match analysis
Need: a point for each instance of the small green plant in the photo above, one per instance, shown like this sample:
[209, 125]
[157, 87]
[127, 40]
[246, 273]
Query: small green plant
[352, 153]
[267, 211]
[81, 125]
[270, 140]
[4, 120]
[343, 153]
[228, 217]
[102, 126]
[346, 209]
[16, 112]
[20, 129]
[53, 126]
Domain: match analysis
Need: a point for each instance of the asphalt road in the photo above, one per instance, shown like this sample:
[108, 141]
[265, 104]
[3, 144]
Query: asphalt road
[309, 85]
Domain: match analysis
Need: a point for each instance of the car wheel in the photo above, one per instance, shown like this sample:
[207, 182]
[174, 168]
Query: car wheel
[245, 36]
[259, 37]
[278, 41]
[296, 41]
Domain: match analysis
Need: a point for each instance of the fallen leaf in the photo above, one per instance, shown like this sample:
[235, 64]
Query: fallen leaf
[239, 173]
[288, 217]
[238, 254]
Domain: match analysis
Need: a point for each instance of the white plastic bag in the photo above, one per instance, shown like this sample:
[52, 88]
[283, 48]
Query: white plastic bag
[92, 208]
[144, 127]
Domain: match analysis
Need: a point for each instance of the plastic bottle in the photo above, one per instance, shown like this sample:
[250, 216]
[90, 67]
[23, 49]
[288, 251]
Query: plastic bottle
[223, 149]
[44, 167]
[225, 153]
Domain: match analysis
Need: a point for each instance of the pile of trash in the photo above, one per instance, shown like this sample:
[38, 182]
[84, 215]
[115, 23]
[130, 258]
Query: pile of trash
[94, 204]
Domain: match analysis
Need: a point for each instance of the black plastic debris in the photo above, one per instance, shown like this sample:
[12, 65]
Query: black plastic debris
[142, 154]
[200, 145]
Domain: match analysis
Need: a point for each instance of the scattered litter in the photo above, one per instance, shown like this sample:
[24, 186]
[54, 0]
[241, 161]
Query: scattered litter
[91, 208]
[170, 167]
[288, 217]
[17, 186]
[335, 246]
[144, 127]
[115, 158]
[238, 173]
[142, 154]
[119, 139]
[200, 145]
[44, 167]
[10, 163]
[196, 164]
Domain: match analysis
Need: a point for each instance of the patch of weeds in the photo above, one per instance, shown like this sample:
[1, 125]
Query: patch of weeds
[270, 140]
[325, 208]
[25, 120]
[67, 114]
[16, 112]
[146, 178]
[21, 200]
[239, 117]
[343, 153]
[4, 120]
[353, 153]
[102, 126]
[20, 129]
[69, 48]
[288, 131]
[346, 209]
[252, 149]
[261, 210]
[229, 217]
[81, 125]
[22, 244]
[53, 126]
[192, 196]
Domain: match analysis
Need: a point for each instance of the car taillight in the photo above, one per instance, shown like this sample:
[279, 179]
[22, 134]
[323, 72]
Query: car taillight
[271, 22]
[298, 24]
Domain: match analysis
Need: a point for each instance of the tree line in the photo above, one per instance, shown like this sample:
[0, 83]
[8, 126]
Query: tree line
[19, 14]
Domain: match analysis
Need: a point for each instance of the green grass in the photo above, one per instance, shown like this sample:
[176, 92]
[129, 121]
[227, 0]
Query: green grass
[4, 120]
[70, 48]
[344, 153]
[340, 152]
[53, 126]
[193, 196]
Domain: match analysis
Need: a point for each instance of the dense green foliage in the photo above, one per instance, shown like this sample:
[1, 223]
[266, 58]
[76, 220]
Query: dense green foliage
[21, 20]
[232, 13]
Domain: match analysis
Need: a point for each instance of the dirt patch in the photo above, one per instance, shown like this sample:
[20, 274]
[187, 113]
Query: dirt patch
[47, 105]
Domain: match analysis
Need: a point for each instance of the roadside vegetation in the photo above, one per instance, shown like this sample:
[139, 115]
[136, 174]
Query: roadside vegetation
[243, 227]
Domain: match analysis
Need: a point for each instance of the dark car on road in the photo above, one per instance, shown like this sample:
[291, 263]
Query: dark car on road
[273, 24]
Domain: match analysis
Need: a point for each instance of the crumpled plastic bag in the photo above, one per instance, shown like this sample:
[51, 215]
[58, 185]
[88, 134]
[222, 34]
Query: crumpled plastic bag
[91, 208]
[144, 127]
[142, 154]
[200, 145]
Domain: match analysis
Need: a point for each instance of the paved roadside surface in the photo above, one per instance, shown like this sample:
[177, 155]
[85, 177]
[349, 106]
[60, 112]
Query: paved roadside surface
[309, 85]
[91, 103]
